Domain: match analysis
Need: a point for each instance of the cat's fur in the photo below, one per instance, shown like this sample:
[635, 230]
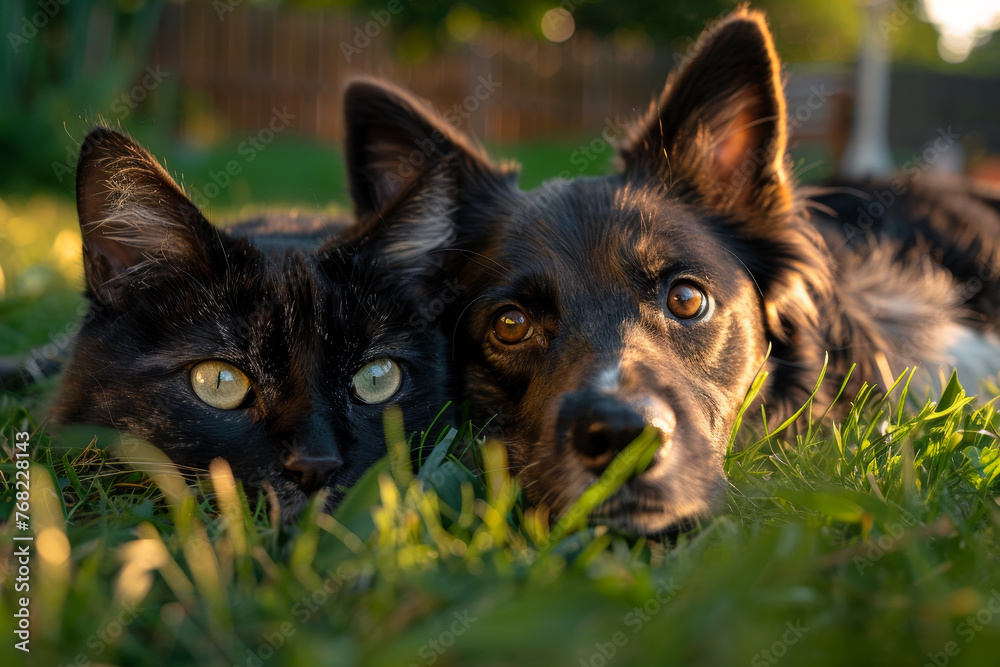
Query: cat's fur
[297, 309]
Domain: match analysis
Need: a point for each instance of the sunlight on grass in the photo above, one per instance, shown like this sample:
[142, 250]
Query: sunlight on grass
[39, 233]
[888, 519]
[41, 271]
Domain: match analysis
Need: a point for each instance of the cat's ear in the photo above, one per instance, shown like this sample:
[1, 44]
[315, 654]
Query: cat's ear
[718, 128]
[392, 138]
[132, 214]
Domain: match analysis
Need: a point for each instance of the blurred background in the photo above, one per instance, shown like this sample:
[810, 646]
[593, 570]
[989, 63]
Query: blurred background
[241, 98]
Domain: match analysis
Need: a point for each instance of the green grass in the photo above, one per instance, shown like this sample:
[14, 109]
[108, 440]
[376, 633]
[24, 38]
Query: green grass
[875, 539]
[869, 541]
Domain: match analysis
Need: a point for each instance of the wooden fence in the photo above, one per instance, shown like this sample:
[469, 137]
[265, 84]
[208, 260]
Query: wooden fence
[244, 63]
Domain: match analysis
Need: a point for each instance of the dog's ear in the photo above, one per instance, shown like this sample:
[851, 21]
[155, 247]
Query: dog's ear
[719, 125]
[132, 214]
[410, 230]
[717, 136]
[392, 138]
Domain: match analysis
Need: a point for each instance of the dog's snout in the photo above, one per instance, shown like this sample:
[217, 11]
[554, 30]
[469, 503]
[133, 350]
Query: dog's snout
[599, 427]
[599, 441]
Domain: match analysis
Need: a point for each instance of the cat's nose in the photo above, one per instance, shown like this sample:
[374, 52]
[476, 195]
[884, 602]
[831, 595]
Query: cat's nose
[311, 471]
[313, 456]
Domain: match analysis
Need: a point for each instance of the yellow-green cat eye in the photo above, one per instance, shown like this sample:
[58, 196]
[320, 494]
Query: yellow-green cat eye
[219, 384]
[378, 381]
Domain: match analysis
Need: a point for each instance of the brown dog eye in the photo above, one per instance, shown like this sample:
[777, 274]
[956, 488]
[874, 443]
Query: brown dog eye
[686, 301]
[512, 327]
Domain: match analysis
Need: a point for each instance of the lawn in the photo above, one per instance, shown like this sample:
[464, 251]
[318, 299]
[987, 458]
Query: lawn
[870, 541]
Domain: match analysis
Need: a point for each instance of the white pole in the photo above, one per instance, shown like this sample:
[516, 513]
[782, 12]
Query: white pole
[867, 152]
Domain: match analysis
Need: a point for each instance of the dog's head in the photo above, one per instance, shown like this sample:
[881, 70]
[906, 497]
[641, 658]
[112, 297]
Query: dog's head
[595, 307]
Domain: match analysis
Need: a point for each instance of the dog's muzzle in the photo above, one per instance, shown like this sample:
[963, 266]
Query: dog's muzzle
[599, 425]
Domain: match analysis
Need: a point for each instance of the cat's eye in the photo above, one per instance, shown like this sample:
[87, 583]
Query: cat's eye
[512, 326]
[219, 384]
[686, 302]
[378, 381]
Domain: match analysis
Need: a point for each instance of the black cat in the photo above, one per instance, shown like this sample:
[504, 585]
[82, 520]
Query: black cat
[273, 344]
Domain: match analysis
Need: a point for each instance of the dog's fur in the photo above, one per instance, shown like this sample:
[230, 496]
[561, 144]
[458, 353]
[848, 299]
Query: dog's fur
[703, 198]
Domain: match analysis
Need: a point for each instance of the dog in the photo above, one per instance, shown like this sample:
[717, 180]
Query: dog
[595, 308]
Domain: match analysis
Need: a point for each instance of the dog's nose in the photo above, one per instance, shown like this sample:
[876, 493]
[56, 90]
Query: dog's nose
[601, 429]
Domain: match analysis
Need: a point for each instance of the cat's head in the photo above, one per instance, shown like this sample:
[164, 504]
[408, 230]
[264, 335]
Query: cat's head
[276, 355]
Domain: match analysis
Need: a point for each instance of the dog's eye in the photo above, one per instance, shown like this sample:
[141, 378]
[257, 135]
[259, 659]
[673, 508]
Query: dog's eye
[512, 327]
[219, 384]
[686, 302]
[377, 382]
